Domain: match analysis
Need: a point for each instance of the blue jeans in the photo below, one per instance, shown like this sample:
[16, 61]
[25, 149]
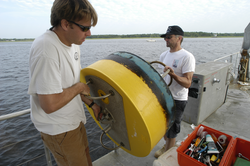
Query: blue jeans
[176, 127]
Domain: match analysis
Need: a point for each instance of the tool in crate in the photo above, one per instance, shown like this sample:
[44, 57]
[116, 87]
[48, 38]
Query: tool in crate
[206, 148]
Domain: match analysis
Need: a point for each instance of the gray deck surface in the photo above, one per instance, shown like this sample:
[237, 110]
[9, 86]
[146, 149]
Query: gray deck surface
[231, 118]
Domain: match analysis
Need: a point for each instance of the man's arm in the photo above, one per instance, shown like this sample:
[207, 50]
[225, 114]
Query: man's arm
[52, 102]
[184, 81]
[96, 108]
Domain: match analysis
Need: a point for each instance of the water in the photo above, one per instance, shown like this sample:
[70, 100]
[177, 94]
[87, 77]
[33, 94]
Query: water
[14, 80]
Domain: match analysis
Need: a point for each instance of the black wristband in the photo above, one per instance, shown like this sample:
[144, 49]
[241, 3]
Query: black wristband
[91, 104]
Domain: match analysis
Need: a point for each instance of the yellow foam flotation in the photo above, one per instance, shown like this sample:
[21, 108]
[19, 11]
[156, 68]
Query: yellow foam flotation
[140, 105]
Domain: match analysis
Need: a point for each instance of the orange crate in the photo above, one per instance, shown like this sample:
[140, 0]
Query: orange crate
[239, 146]
[185, 160]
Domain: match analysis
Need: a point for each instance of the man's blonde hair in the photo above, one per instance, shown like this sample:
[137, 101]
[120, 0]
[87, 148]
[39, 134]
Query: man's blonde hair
[72, 10]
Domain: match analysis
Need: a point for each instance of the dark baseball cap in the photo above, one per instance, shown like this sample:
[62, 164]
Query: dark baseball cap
[174, 30]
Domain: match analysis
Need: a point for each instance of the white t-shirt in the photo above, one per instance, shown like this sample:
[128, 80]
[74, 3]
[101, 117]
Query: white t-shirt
[181, 62]
[53, 67]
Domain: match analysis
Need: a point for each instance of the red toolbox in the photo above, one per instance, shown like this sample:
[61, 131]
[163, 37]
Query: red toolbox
[239, 146]
[186, 160]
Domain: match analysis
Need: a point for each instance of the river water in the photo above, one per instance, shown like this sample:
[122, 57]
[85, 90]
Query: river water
[20, 141]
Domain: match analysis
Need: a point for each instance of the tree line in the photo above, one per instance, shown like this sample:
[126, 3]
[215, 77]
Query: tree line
[157, 35]
[15, 39]
[153, 35]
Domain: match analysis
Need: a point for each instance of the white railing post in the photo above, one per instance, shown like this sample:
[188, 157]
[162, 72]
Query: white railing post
[19, 113]
[231, 60]
[14, 114]
[47, 154]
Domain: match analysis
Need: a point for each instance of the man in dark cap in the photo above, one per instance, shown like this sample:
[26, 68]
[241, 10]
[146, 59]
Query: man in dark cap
[182, 66]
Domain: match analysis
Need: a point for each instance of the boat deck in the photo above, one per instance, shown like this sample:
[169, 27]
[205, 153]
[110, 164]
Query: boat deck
[231, 118]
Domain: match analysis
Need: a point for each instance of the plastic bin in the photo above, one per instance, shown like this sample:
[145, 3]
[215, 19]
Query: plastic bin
[185, 160]
[239, 146]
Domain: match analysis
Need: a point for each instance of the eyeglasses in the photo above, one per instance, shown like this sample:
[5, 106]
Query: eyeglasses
[83, 28]
[168, 37]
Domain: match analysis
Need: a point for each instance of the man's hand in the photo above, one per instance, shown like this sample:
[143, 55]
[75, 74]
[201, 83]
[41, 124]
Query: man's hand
[171, 72]
[85, 89]
[97, 109]
[185, 80]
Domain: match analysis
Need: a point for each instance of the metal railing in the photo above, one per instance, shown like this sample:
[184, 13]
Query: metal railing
[20, 113]
[15, 114]
[231, 57]
[237, 59]
[46, 150]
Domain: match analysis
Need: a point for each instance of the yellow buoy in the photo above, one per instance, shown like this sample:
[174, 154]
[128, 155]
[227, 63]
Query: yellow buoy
[139, 108]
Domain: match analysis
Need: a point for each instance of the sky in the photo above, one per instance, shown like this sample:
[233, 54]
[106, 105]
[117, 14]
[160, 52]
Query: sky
[31, 18]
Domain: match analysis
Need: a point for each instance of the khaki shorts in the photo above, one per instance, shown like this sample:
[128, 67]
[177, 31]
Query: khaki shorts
[70, 148]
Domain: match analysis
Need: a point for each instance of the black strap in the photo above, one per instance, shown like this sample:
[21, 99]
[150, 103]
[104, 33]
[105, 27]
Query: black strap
[91, 104]
[51, 28]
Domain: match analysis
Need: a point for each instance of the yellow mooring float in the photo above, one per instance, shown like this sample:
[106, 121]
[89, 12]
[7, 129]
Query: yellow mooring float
[137, 105]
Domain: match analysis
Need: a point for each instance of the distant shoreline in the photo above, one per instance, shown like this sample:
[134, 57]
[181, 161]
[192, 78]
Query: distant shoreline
[16, 40]
[145, 36]
[23, 40]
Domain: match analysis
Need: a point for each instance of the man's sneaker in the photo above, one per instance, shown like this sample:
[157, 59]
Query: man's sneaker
[158, 153]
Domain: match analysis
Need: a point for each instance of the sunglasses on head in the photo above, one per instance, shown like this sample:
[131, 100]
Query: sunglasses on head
[83, 28]
[168, 37]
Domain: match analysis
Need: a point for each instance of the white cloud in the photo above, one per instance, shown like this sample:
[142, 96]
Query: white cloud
[136, 16]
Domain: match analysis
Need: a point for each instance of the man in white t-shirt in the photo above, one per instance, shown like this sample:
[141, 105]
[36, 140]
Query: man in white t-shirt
[56, 93]
[182, 66]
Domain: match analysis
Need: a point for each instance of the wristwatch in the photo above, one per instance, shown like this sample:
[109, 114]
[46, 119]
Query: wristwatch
[91, 104]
